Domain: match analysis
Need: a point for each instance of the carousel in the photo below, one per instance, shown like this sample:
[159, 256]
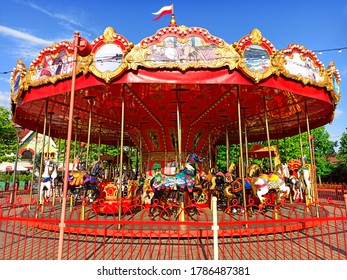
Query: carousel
[179, 91]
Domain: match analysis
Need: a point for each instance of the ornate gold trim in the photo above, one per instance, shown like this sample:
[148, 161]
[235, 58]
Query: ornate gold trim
[176, 48]
[19, 72]
[333, 82]
[250, 65]
[311, 70]
[110, 38]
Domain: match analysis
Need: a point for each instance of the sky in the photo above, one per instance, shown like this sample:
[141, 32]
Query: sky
[28, 26]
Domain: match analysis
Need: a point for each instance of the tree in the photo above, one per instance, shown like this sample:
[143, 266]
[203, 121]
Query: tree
[8, 138]
[342, 151]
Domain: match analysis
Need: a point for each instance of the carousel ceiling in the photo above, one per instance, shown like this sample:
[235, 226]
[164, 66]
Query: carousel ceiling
[180, 81]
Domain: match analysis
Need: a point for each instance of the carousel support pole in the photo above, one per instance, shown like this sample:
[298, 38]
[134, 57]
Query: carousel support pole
[267, 130]
[42, 150]
[48, 151]
[49, 133]
[91, 103]
[181, 216]
[313, 169]
[215, 229]
[14, 181]
[77, 119]
[141, 163]
[33, 173]
[179, 131]
[71, 203]
[227, 146]
[58, 155]
[300, 138]
[241, 154]
[99, 142]
[209, 146]
[67, 162]
[302, 156]
[246, 138]
[121, 163]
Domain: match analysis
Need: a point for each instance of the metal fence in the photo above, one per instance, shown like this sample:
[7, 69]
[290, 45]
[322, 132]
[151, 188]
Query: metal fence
[294, 231]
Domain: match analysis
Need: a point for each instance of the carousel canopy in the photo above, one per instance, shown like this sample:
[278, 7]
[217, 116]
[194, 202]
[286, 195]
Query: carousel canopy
[180, 79]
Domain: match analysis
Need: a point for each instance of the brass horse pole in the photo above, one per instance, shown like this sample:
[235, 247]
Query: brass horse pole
[267, 130]
[33, 173]
[99, 142]
[246, 139]
[42, 151]
[91, 103]
[227, 145]
[300, 137]
[179, 138]
[121, 163]
[241, 154]
[313, 171]
[76, 134]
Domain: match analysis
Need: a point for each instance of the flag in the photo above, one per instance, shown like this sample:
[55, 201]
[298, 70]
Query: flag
[163, 11]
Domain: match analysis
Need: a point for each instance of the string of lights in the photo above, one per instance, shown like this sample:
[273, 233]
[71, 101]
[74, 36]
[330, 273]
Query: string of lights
[119, 59]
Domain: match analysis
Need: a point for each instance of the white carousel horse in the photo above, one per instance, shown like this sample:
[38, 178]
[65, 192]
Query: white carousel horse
[296, 186]
[57, 182]
[263, 183]
[46, 183]
[304, 180]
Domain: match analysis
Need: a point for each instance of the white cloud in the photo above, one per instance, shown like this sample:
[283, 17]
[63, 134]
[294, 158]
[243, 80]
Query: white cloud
[338, 113]
[67, 18]
[5, 99]
[24, 36]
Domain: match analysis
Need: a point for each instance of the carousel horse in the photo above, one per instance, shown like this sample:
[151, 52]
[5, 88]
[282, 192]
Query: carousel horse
[304, 180]
[296, 187]
[184, 181]
[84, 182]
[263, 183]
[57, 183]
[218, 186]
[147, 191]
[46, 181]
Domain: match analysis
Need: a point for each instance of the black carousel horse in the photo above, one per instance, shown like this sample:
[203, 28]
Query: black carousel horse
[86, 183]
[174, 186]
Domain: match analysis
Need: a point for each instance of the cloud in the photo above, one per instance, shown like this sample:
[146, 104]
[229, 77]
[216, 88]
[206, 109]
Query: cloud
[339, 113]
[67, 18]
[24, 36]
[5, 99]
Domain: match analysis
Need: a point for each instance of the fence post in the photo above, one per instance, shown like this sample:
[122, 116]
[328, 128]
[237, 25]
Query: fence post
[345, 199]
[215, 228]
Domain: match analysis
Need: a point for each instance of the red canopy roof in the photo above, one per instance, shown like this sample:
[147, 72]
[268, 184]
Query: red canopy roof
[179, 69]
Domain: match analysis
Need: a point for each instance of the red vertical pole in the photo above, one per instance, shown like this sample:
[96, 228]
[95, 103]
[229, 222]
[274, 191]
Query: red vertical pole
[68, 146]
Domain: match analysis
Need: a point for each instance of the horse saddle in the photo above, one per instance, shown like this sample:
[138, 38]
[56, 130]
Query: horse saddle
[77, 178]
[271, 177]
[45, 179]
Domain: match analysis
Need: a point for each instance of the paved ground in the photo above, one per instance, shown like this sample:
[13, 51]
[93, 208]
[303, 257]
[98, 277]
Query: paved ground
[294, 232]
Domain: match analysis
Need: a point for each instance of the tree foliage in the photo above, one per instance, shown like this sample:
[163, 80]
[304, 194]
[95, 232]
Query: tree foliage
[8, 138]
[342, 151]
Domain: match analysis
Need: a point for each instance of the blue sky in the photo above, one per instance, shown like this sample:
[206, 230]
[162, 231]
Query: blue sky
[27, 26]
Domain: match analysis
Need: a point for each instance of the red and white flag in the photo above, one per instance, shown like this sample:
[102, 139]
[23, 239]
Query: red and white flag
[163, 11]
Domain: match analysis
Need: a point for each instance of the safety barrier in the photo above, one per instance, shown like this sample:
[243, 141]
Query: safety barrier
[285, 231]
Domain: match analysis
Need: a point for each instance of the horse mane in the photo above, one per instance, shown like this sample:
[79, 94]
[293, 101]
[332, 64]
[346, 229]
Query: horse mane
[254, 170]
